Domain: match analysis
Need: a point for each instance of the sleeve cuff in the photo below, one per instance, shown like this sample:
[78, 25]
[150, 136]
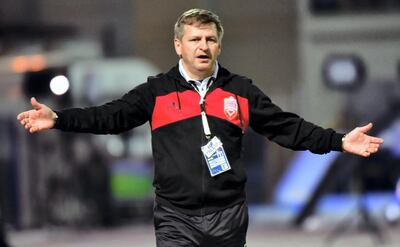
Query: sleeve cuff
[337, 143]
[57, 120]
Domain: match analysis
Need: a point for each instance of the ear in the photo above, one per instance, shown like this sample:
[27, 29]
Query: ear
[178, 47]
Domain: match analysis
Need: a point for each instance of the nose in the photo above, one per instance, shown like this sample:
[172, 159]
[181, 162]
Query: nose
[203, 45]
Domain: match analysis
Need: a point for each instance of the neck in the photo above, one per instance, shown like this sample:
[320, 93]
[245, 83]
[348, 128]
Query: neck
[198, 75]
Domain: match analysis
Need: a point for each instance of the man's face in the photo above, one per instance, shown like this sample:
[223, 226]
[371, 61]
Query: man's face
[199, 49]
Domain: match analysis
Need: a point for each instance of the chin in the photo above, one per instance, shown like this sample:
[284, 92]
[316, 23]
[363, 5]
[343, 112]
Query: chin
[204, 67]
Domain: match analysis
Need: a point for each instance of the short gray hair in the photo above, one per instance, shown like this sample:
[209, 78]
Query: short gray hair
[200, 16]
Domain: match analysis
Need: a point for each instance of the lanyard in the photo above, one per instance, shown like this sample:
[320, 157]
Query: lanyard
[206, 127]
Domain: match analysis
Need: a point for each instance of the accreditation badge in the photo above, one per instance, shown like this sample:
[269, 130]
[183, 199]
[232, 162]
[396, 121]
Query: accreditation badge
[215, 156]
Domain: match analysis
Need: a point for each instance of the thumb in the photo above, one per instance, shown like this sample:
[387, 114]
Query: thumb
[35, 104]
[366, 128]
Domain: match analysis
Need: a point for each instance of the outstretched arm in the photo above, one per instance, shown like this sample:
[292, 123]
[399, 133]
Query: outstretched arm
[359, 143]
[40, 118]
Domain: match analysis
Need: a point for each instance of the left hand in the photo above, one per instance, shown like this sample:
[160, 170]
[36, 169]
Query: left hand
[40, 118]
[357, 142]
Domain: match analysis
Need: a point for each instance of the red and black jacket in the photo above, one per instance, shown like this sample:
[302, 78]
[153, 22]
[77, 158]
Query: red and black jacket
[182, 180]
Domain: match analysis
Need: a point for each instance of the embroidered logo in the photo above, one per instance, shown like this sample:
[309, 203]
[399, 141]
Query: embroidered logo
[230, 108]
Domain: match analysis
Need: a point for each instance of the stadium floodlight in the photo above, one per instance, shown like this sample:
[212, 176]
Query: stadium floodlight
[343, 71]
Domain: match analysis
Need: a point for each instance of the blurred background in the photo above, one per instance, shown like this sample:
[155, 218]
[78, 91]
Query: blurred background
[334, 62]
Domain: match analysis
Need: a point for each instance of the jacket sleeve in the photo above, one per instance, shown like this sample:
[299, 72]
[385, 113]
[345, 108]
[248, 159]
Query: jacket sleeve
[117, 116]
[288, 129]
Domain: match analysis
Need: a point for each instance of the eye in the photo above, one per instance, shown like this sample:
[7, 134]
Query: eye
[213, 40]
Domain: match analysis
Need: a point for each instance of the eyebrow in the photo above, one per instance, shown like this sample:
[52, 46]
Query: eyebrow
[199, 36]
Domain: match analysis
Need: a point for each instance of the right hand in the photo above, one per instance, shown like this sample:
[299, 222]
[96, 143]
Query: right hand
[39, 119]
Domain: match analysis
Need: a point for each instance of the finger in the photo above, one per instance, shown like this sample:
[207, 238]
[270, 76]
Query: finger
[366, 153]
[372, 150]
[366, 128]
[377, 140]
[35, 104]
[374, 145]
[33, 129]
[22, 115]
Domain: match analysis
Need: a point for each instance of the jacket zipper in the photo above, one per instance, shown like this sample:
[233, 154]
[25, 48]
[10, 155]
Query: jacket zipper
[204, 141]
[203, 138]
[203, 189]
[203, 169]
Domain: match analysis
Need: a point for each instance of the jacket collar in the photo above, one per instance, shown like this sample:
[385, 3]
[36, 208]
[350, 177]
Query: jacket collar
[223, 76]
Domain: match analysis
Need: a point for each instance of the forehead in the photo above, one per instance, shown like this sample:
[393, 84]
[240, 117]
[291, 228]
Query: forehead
[200, 29]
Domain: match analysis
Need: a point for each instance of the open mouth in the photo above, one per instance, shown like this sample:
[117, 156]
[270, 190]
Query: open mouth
[203, 57]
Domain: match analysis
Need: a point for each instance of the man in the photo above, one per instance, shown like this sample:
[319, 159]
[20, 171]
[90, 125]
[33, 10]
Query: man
[198, 113]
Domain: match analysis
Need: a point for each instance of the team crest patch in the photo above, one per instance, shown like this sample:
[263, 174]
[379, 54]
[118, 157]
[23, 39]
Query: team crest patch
[230, 108]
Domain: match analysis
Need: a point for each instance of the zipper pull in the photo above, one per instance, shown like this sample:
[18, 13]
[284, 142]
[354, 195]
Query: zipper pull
[206, 127]
[201, 102]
